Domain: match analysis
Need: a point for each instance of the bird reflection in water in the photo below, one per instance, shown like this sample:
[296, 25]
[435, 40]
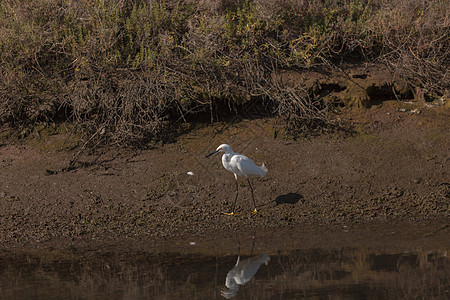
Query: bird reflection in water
[243, 272]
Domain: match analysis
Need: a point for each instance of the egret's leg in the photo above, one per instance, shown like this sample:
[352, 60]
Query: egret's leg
[253, 197]
[235, 199]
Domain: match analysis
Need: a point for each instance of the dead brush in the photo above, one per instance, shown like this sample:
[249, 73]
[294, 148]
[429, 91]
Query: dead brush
[125, 71]
[416, 40]
[125, 112]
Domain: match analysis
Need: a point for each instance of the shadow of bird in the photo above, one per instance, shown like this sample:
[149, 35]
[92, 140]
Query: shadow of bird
[290, 198]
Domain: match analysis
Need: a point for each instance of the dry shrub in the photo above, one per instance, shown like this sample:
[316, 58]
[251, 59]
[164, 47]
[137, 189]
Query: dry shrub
[127, 111]
[416, 42]
[125, 71]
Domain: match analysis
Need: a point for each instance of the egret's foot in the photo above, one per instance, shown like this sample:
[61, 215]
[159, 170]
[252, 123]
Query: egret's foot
[255, 211]
[228, 214]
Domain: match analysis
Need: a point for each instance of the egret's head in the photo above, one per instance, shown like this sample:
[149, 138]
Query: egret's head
[225, 148]
[222, 148]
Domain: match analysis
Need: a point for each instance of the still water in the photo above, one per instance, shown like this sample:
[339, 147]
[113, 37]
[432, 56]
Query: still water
[247, 273]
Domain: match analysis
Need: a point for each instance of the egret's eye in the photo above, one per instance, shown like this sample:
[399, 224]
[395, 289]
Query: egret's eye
[219, 149]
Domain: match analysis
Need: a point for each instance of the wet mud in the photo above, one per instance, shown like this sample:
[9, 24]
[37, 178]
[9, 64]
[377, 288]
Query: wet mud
[395, 168]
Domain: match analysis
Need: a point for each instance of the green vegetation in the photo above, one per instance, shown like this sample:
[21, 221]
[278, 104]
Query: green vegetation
[124, 71]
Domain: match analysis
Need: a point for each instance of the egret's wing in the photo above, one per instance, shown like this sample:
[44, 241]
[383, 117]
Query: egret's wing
[247, 166]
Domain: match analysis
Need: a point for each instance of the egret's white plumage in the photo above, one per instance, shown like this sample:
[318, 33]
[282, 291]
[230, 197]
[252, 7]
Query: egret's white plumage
[239, 165]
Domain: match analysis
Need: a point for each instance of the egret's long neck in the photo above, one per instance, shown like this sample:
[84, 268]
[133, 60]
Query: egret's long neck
[226, 161]
[226, 157]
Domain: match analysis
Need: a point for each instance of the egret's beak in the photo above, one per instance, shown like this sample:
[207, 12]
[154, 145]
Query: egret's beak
[211, 153]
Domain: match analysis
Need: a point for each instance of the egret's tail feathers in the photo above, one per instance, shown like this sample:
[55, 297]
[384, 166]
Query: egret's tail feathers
[263, 170]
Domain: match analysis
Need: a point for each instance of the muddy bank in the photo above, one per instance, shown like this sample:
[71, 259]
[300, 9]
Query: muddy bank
[393, 169]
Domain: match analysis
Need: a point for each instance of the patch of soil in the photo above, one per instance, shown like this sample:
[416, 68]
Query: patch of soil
[357, 85]
[394, 170]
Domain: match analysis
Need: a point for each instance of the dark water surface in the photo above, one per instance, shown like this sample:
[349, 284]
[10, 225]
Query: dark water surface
[247, 272]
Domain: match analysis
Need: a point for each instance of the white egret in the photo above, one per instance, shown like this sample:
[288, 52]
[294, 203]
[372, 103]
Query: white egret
[239, 165]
